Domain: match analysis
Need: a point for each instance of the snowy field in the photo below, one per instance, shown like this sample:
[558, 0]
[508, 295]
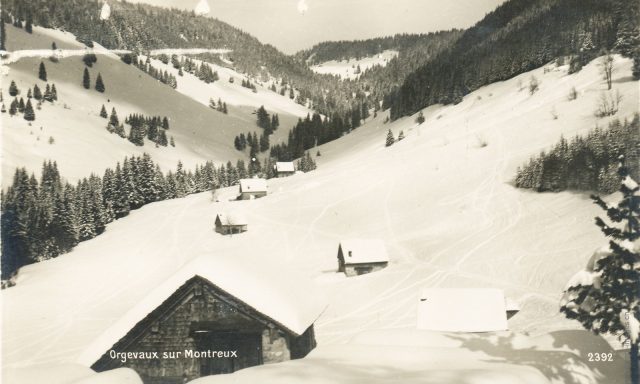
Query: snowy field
[347, 69]
[443, 202]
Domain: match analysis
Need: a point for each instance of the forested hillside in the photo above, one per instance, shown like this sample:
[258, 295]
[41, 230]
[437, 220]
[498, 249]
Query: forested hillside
[518, 36]
[344, 50]
[587, 163]
[142, 27]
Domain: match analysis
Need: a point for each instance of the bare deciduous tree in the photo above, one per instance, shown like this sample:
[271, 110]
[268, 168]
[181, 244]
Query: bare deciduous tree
[607, 68]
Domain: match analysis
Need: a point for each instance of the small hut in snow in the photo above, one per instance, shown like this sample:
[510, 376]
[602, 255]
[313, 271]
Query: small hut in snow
[252, 188]
[360, 256]
[213, 316]
[462, 310]
[230, 223]
[285, 168]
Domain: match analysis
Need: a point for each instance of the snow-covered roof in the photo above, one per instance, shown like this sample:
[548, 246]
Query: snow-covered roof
[253, 185]
[285, 166]
[359, 251]
[294, 302]
[462, 310]
[232, 218]
[511, 305]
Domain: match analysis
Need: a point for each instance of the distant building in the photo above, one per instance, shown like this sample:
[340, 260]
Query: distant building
[252, 188]
[284, 169]
[360, 256]
[230, 223]
[209, 319]
[463, 310]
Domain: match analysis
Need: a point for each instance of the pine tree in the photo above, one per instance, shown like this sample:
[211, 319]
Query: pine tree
[86, 81]
[99, 84]
[54, 92]
[3, 109]
[103, 112]
[635, 71]
[21, 105]
[263, 119]
[37, 94]
[29, 25]
[29, 95]
[3, 37]
[13, 89]
[29, 114]
[605, 297]
[113, 120]
[42, 72]
[13, 108]
[390, 139]
[401, 135]
[47, 94]
[54, 46]
[420, 119]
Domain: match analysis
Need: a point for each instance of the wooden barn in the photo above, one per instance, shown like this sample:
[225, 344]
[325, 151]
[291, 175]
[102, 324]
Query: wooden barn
[252, 188]
[464, 310]
[285, 168]
[230, 223]
[360, 256]
[207, 319]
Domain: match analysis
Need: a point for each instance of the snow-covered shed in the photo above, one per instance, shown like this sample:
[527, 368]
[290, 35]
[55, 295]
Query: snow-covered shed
[360, 256]
[213, 316]
[252, 188]
[462, 310]
[231, 223]
[285, 168]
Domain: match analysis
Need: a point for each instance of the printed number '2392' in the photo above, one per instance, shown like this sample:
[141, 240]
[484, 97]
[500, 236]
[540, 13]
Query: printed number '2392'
[600, 356]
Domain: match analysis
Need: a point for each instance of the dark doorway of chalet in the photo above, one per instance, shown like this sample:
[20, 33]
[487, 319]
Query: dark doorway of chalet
[248, 347]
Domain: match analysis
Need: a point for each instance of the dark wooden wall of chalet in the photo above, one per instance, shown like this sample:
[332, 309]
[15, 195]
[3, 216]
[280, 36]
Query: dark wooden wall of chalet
[196, 305]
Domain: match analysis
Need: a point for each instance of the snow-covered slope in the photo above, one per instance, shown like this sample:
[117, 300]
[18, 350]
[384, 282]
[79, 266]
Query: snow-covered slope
[442, 201]
[348, 69]
[81, 143]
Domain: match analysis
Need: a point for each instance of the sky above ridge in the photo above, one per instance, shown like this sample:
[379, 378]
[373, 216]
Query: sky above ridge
[292, 25]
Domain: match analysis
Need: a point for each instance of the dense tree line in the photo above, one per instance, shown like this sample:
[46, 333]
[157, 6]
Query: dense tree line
[585, 163]
[518, 36]
[358, 49]
[146, 67]
[310, 132]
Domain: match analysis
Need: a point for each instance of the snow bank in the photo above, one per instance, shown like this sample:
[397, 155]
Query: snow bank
[115, 376]
[354, 364]
[292, 302]
[46, 373]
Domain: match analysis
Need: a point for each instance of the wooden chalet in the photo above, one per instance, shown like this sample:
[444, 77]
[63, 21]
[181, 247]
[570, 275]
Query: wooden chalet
[252, 188]
[208, 319]
[230, 223]
[284, 168]
[360, 256]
